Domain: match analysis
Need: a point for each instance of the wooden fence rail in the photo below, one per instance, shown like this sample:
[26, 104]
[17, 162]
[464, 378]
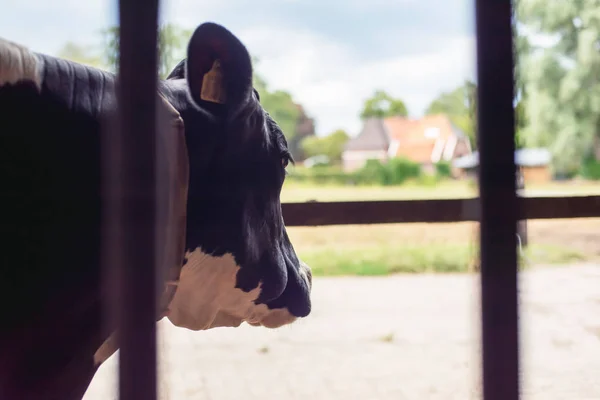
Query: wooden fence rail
[446, 210]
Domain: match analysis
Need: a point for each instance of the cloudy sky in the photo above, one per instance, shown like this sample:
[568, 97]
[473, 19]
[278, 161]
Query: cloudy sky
[330, 55]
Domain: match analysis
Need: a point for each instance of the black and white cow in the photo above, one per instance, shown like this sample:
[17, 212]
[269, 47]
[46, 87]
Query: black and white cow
[239, 262]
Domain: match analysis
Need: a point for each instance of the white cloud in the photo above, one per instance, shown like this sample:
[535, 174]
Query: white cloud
[331, 80]
[46, 25]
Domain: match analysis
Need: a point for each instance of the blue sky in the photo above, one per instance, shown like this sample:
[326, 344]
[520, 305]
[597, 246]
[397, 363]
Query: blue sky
[330, 55]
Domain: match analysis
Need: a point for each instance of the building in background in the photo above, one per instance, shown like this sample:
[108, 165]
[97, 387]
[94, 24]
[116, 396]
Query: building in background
[426, 141]
[372, 143]
[534, 164]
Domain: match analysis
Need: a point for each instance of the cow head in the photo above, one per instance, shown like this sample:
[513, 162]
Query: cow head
[239, 262]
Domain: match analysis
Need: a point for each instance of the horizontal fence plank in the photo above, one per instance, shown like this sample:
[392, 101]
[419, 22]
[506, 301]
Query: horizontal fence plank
[561, 207]
[439, 210]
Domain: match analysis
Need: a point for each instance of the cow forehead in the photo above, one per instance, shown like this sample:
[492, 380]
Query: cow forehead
[17, 63]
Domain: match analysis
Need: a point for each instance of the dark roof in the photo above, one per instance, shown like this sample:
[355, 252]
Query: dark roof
[373, 136]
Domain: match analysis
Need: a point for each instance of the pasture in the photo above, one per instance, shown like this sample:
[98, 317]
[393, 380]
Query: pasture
[393, 248]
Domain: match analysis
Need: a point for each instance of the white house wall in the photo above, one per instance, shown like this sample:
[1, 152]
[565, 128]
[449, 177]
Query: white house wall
[353, 160]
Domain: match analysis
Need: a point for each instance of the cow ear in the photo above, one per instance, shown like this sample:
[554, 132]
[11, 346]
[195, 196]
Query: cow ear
[219, 68]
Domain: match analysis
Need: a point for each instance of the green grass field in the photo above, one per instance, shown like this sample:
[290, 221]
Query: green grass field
[413, 248]
[295, 192]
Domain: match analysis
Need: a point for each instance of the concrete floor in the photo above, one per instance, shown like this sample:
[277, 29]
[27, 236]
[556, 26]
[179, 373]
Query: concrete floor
[400, 337]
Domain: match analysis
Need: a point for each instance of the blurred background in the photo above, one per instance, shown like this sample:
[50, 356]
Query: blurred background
[378, 102]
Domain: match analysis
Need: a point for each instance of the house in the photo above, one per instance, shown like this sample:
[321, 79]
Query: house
[372, 142]
[534, 164]
[426, 141]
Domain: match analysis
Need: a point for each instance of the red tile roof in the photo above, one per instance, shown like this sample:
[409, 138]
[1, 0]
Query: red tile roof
[414, 143]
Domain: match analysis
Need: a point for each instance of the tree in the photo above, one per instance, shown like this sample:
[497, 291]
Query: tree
[172, 42]
[460, 106]
[562, 99]
[521, 48]
[110, 54]
[282, 108]
[520, 125]
[382, 105]
[305, 127]
[331, 145]
[81, 54]
[172, 47]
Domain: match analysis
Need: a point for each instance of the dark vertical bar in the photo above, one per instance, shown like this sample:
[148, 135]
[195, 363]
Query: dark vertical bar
[498, 200]
[137, 184]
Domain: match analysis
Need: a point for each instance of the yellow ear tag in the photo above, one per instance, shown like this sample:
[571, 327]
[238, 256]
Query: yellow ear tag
[213, 89]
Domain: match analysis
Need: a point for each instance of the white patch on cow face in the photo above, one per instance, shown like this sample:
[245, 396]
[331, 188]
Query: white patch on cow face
[17, 64]
[206, 297]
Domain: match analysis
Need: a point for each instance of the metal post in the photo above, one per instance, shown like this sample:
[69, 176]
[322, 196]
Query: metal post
[498, 200]
[134, 199]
